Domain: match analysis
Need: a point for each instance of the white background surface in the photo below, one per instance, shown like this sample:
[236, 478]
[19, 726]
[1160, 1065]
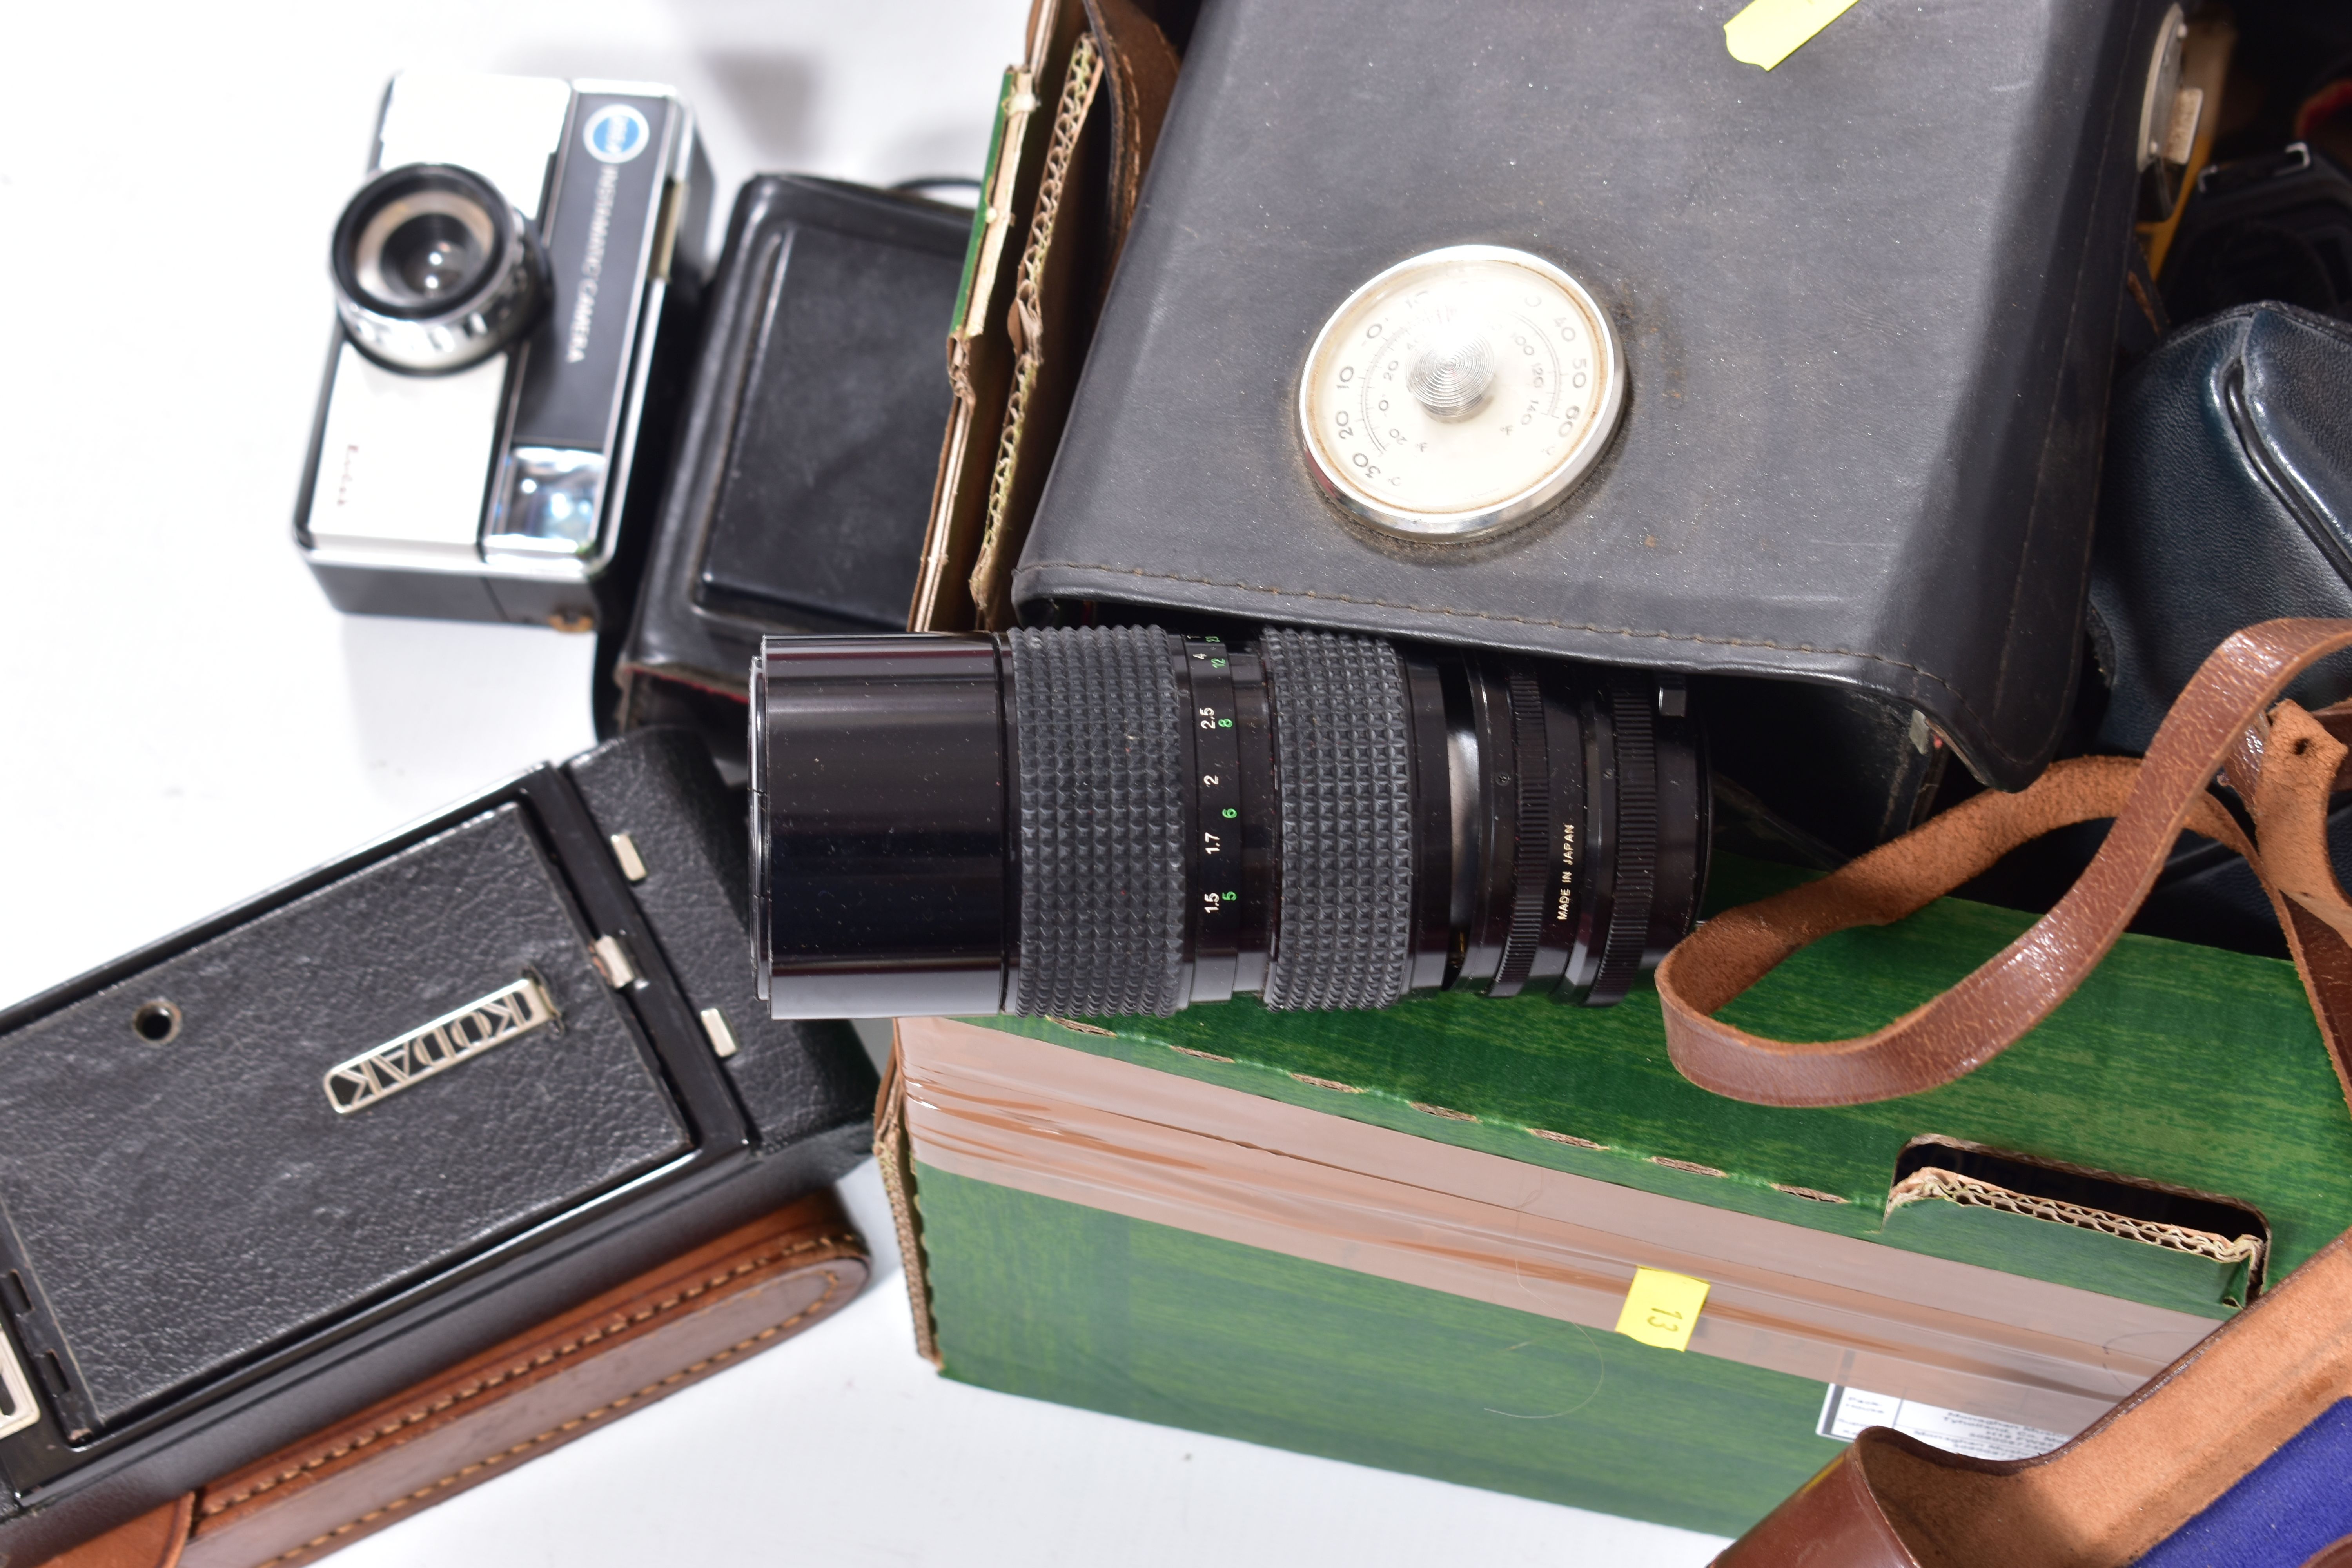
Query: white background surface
[186, 722]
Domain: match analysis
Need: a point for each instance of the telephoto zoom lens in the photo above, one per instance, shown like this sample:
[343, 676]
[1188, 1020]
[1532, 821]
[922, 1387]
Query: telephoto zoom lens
[1111, 821]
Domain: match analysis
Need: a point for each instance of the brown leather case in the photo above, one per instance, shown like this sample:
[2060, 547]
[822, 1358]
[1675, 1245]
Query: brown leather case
[671, 1326]
[2113, 1494]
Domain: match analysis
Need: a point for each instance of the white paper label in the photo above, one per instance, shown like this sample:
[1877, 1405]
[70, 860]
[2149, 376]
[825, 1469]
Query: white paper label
[1846, 1411]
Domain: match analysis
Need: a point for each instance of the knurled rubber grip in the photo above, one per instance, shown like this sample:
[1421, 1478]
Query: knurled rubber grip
[1101, 822]
[1343, 770]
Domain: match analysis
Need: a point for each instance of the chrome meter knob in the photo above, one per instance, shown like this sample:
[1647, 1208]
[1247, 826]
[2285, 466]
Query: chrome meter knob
[1460, 392]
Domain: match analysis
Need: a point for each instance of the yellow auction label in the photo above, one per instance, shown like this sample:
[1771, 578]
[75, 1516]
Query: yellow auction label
[1770, 31]
[1662, 1309]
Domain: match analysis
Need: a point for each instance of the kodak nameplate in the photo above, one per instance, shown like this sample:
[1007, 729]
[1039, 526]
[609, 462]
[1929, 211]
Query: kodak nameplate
[451, 1038]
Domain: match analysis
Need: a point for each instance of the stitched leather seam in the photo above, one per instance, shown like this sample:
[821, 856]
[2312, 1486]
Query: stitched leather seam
[832, 1284]
[475, 1390]
[1627, 632]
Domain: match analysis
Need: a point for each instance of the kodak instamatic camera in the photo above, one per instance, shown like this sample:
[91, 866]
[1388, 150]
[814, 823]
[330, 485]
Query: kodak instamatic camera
[509, 284]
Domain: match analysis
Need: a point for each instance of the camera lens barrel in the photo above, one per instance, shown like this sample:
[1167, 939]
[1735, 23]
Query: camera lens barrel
[433, 269]
[1113, 821]
[881, 839]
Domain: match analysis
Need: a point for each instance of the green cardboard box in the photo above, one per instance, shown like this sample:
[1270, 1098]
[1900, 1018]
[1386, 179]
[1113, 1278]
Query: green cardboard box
[1403, 1238]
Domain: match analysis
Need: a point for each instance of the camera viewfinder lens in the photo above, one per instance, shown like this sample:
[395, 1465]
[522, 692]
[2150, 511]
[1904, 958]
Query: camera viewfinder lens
[433, 269]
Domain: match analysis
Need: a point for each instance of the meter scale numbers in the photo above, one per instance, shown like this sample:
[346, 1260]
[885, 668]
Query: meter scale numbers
[1501, 438]
[1518, 428]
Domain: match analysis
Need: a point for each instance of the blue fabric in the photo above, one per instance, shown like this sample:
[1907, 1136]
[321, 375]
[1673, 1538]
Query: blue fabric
[2288, 1507]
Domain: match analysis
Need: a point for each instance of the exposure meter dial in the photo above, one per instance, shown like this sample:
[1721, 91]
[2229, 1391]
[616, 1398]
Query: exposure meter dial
[1460, 392]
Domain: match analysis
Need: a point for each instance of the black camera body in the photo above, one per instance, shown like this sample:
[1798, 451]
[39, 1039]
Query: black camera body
[514, 282]
[249, 1188]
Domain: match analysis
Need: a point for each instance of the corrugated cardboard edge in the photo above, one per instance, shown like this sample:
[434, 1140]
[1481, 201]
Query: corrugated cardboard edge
[894, 1151]
[978, 348]
[1934, 1183]
[1001, 534]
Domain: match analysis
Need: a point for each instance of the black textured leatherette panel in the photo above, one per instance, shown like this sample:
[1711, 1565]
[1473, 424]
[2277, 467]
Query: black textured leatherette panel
[2215, 517]
[1867, 299]
[181, 1206]
[798, 1081]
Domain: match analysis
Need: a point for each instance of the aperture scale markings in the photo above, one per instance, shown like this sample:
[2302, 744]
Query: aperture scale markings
[1217, 755]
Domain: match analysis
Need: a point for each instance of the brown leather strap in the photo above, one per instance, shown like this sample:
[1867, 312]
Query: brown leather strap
[2283, 765]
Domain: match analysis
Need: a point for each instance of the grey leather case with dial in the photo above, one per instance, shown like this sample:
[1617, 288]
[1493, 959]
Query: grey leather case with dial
[1868, 302]
[344, 1154]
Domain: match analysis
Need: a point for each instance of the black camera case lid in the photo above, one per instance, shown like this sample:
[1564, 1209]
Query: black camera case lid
[2228, 501]
[1868, 299]
[803, 479]
[293, 1159]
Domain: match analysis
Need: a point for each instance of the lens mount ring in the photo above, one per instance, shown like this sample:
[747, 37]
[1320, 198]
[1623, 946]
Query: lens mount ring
[1637, 844]
[1531, 863]
[435, 269]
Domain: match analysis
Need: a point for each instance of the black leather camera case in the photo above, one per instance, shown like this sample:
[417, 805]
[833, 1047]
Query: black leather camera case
[803, 481]
[1867, 299]
[2227, 501]
[285, 1163]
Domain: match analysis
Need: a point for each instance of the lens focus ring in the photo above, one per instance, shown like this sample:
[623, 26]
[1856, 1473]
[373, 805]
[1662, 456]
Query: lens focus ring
[1344, 772]
[1101, 814]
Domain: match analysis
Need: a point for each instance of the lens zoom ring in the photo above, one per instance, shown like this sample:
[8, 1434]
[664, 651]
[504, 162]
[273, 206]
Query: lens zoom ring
[1102, 867]
[1344, 775]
